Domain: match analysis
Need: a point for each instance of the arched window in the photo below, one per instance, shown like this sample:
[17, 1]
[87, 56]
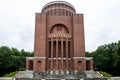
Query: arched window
[79, 65]
[59, 28]
[39, 64]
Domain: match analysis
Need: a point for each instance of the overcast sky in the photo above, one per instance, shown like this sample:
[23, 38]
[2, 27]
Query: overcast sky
[17, 22]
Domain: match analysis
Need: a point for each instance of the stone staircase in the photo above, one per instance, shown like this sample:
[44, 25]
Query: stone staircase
[24, 74]
[20, 74]
[60, 75]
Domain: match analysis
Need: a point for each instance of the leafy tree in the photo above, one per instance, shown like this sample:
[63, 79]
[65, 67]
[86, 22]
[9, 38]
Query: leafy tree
[87, 54]
[5, 59]
[11, 59]
[103, 58]
[117, 59]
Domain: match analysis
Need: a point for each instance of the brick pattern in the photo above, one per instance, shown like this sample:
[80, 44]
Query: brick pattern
[48, 36]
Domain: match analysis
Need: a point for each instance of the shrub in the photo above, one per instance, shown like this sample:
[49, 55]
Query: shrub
[11, 74]
[21, 69]
[105, 74]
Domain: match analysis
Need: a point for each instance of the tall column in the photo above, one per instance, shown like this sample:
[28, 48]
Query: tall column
[56, 53]
[62, 52]
[67, 53]
[51, 53]
[71, 55]
[47, 56]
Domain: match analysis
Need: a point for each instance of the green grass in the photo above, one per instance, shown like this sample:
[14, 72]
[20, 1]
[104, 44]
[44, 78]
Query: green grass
[11, 74]
[105, 74]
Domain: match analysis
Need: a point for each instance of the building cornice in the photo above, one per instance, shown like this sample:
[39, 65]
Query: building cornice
[58, 2]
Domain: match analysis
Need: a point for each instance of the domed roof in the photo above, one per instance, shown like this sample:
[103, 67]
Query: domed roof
[58, 2]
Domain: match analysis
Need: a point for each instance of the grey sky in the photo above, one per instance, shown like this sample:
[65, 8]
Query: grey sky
[17, 20]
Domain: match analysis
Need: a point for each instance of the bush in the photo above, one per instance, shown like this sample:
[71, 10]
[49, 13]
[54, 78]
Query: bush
[21, 69]
[11, 74]
[105, 74]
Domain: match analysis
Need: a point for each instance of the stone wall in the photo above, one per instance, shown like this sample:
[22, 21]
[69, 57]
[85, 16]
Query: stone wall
[114, 78]
[6, 78]
[63, 79]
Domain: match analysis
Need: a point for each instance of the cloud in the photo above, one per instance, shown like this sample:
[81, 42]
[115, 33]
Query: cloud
[102, 23]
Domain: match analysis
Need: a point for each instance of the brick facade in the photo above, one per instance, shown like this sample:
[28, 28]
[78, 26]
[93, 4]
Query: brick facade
[59, 40]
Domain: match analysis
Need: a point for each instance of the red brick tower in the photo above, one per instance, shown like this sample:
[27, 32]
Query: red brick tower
[59, 40]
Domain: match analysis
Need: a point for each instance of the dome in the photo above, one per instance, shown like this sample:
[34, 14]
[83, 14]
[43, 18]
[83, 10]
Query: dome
[58, 8]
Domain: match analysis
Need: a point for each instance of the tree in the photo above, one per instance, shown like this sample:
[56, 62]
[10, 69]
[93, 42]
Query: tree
[6, 60]
[117, 59]
[11, 59]
[103, 57]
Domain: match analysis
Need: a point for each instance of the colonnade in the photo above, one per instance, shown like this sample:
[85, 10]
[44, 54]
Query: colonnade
[59, 53]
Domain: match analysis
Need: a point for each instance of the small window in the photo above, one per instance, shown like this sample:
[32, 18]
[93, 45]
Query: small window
[59, 28]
